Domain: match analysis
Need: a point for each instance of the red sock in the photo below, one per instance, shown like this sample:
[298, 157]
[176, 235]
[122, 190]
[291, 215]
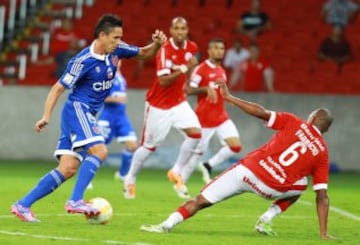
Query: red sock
[283, 204]
[184, 212]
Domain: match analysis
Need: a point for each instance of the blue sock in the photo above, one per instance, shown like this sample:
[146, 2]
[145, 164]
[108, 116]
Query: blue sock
[126, 157]
[47, 184]
[86, 173]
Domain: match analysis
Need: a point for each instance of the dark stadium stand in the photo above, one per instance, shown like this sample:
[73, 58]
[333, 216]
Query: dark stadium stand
[291, 45]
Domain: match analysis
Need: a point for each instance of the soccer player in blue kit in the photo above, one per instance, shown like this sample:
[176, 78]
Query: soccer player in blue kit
[89, 74]
[114, 122]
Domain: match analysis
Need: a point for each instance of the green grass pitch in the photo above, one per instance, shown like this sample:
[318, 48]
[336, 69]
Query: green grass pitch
[230, 222]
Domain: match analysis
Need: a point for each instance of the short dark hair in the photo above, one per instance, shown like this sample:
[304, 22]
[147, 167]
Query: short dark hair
[216, 40]
[106, 23]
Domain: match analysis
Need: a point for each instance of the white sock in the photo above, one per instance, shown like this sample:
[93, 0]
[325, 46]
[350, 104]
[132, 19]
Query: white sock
[186, 151]
[174, 219]
[273, 211]
[140, 155]
[189, 168]
[221, 156]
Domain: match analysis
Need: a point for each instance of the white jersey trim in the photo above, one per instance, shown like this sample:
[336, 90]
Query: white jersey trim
[271, 120]
[59, 153]
[163, 72]
[320, 187]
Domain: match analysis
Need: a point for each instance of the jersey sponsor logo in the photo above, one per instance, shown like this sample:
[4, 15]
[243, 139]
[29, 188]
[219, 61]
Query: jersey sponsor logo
[101, 86]
[114, 60]
[256, 188]
[272, 171]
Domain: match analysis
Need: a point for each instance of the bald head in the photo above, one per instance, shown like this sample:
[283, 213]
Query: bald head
[321, 118]
[178, 19]
[179, 30]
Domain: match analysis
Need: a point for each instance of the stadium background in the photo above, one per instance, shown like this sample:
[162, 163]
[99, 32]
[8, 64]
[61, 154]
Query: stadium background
[290, 46]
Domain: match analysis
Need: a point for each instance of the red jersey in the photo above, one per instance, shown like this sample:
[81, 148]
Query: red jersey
[296, 150]
[210, 114]
[168, 59]
[253, 74]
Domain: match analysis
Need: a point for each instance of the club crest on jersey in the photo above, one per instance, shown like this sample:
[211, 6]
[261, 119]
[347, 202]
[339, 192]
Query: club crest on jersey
[188, 55]
[114, 60]
[110, 73]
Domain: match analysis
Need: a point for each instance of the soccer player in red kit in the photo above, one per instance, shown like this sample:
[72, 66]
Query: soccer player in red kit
[276, 170]
[166, 107]
[211, 112]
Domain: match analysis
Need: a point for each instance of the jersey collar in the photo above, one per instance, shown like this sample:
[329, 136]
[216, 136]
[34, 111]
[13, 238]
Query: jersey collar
[208, 62]
[316, 129]
[172, 42]
[95, 55]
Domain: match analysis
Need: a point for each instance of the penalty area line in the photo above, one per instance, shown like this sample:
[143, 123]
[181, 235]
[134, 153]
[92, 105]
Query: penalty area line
[335, 210]
[63, 238]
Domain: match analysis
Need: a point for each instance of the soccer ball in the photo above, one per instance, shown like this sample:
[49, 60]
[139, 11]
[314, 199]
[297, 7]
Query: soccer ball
[105, 208]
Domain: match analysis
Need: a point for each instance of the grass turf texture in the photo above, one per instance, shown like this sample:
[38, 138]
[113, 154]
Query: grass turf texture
[230, 222]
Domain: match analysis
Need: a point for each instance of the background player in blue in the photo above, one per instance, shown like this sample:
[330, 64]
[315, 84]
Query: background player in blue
[89, 74]
[114, 122]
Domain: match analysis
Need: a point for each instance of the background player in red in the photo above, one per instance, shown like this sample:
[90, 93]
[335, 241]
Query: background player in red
[256, 72]
[211, 111]
[276, 170]
[166, 107]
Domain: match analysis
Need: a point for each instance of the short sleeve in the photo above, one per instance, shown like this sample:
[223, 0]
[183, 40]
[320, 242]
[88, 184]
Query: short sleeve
[195, 78]
[125, 50]
[279, 120]
[75, 70]
[321, 173]
[163, 62]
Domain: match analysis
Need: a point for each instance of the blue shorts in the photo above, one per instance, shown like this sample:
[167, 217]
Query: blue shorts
[79, 130]
[116, 125]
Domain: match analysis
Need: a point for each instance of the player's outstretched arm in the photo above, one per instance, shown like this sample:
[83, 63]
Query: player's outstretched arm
[149, 51]
[322, 207]
[56, 90]
[250, 108]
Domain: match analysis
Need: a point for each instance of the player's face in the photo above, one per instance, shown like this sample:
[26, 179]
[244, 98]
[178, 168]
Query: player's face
[179, 31]
[112, 39]
[216, 51]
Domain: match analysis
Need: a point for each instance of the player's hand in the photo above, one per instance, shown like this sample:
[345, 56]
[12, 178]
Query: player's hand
[192, 62]
[159, 37]
[40, 125]
[212, 96]
[223, 87]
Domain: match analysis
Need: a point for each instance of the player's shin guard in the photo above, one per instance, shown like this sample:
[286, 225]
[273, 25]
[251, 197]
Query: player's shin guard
[47, 184]
[87, 172]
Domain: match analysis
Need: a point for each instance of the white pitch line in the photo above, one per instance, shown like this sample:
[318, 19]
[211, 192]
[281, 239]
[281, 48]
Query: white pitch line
[62, 238]
[336, 210]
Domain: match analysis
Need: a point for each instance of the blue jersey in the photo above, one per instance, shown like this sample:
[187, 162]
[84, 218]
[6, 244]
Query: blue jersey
[90, 75]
